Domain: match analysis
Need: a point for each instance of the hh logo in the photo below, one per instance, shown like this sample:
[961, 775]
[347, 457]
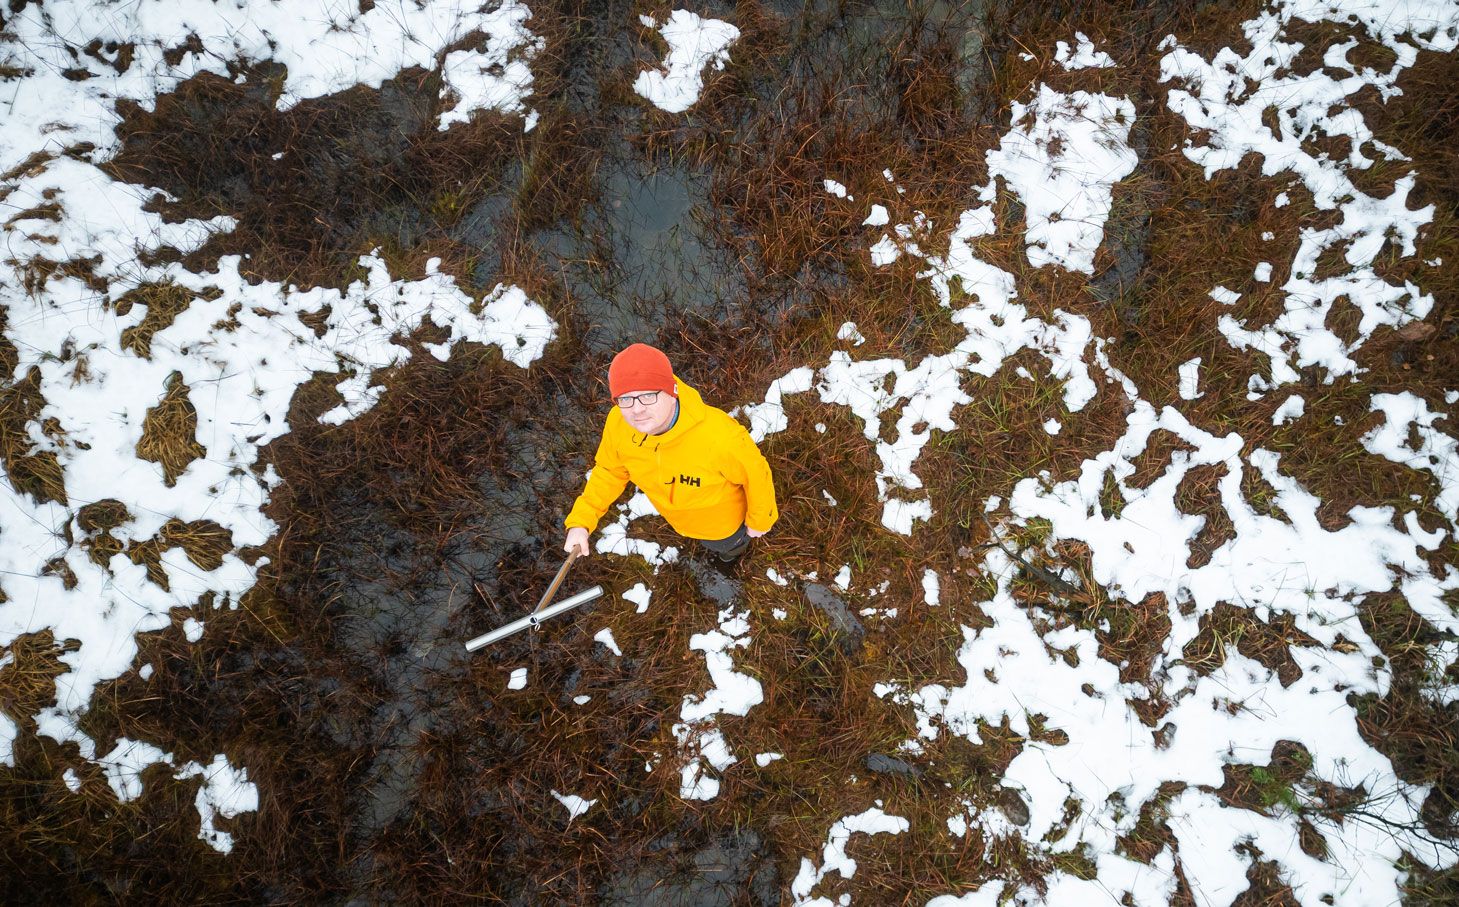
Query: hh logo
[689, 480]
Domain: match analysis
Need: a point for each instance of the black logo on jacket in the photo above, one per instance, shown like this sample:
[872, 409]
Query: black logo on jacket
[689, 480]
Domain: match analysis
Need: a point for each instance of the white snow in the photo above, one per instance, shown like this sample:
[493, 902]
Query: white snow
[1437, 453]
[496, 77]
[192, 629]
[1190, 376]
[249, 375]
[1217, 96]
[997, 328]
[1225, 296]
[1062, 156]
[225, 791]
[694, 43]
[574, 804]
[848, 331]
[1083, 56]
[872, 821]
[326, 46]
[639, 595]
[1442, 656]
[613, 538]
[1292, 408]
[931, 587]
[699, 737]
[769, 417]
[1287, 564]
[240, 381]
[884, 251]
[900, 515]
[605, 636]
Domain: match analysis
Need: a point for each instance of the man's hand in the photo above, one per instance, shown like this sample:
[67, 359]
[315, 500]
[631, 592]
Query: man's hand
[577, 539]
[753, 533]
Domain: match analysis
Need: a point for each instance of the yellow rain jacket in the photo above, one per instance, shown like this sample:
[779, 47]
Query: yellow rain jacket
[704, 475]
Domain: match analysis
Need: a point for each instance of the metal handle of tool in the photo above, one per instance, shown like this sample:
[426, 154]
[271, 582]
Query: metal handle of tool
[556, 581]
[535, 618]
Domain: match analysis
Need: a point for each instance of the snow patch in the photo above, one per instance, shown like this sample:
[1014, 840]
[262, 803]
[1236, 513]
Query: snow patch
[694, 43]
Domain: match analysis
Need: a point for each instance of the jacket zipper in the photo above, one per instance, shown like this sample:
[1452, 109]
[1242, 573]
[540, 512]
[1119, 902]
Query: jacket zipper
[659, 459]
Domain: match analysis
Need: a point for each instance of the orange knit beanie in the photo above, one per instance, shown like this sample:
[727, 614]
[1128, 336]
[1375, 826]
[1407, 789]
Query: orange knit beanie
[641, 367]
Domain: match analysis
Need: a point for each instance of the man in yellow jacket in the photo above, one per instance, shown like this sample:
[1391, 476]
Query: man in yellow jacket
[698, 466]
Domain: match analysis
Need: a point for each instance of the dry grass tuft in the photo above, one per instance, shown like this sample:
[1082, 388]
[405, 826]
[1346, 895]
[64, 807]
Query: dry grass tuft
[318, 185]
[1267, 642]
[169, 431]
[37, 474]
[96, 520]
[28, 672]
[204, 542]
[164, 302]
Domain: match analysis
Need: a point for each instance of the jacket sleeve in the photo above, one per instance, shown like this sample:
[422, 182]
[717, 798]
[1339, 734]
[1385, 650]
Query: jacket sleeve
[605, 483]
[747, 467]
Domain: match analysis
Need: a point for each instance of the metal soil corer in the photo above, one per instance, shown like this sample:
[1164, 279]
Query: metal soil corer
[543, 611]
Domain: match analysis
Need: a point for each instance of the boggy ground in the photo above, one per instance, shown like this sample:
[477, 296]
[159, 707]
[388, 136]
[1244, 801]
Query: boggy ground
[395, 768]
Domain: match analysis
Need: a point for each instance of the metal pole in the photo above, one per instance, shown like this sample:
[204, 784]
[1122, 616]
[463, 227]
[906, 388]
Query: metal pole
[556, 581]
[535, 618]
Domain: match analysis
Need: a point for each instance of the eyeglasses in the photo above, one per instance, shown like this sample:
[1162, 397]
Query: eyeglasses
[647, 399]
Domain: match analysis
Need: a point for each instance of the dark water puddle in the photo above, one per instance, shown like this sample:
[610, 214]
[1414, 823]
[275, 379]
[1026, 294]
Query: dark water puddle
[641, 260]
[714, 585]
[419, 621]
[734, 869]
[847, 630]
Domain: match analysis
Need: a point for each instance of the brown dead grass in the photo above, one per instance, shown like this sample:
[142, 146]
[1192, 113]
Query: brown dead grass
[96, 520]
[163, 302]
[169, 431]
[31, 472]
[357, 170]
[1229, 627]
[28, 679]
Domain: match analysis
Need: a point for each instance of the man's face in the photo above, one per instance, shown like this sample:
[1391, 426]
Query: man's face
[651, 418]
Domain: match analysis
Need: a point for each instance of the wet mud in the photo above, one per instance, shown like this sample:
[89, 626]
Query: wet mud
[733, 870]
[845, 628]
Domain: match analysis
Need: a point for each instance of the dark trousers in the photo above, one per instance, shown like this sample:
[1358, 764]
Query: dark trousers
[727, 549]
